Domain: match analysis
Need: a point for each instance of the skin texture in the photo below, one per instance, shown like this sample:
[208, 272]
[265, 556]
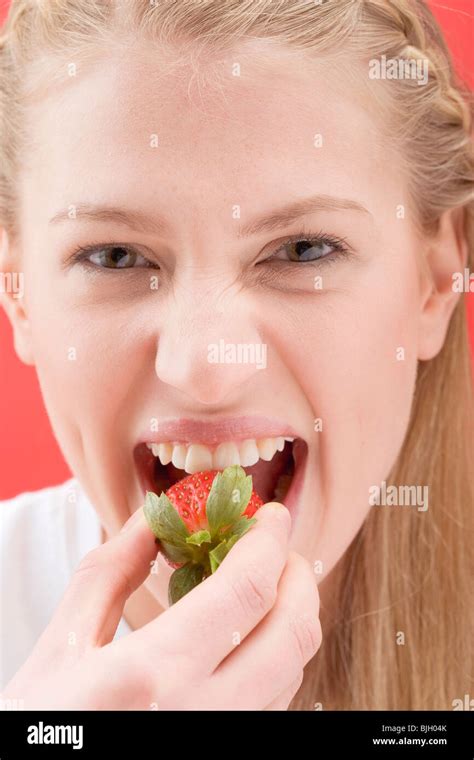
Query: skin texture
[331, 353]
[214, 649]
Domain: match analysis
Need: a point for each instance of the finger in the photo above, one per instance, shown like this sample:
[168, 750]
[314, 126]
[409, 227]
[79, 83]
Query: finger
[283, 701]
[277, 650]
[202, 626]
[93, 603]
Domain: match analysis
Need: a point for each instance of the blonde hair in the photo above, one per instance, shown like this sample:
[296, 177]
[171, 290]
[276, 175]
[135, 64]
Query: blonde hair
[403, 573]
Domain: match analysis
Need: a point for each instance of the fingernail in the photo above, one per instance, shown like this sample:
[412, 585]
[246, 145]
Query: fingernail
[132, 520]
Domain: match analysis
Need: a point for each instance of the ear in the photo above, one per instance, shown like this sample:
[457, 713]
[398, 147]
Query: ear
[12, 299]
[446, 254]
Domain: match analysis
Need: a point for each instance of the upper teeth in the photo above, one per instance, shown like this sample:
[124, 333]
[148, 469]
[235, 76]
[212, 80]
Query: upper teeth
[195, 457]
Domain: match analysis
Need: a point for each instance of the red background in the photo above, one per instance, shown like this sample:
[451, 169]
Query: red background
[29, 455]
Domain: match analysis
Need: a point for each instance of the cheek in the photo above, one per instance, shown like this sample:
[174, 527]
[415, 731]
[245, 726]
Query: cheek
[87, 362]
[365, 393]
[355, 359]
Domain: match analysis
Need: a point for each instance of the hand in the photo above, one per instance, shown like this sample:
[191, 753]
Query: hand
[189, 657]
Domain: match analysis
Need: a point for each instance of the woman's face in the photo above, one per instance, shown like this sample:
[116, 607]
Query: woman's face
[122, 341]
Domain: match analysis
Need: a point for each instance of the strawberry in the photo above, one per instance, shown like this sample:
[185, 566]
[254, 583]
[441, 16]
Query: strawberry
[198, 520]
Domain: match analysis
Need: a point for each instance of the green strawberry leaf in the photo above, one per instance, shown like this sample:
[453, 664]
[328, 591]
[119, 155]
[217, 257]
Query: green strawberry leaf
[233, 540]
[183, 580]
[177, 553]
[164, 520]
[198, 538]
[228, 498]
[238, 528]
[217, 555]
[229, 538]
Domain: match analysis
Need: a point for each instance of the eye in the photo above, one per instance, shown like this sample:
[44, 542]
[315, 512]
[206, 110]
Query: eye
[111, 257]
[309, 248]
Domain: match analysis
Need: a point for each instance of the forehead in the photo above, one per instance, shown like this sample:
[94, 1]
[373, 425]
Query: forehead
[172, 133]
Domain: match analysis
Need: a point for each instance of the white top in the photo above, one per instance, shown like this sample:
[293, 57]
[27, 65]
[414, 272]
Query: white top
[43, 537]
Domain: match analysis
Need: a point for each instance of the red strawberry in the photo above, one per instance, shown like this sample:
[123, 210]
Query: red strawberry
[198, 520]
[189, 497]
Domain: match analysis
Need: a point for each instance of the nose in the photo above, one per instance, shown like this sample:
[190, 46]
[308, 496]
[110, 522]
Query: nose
[209, 349]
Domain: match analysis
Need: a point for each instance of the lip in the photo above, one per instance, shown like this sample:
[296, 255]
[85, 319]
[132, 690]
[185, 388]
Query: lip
[213, 432]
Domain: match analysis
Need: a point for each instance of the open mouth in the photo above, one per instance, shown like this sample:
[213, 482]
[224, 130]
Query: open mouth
[275, 464]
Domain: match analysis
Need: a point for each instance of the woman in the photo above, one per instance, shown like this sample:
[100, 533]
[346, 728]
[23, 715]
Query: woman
[294, 177]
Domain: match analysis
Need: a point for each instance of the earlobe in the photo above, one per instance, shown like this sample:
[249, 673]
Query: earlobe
[446, 257]
[12, 300]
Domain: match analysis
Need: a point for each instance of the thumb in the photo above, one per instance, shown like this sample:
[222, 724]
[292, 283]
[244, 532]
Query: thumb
[94, 600]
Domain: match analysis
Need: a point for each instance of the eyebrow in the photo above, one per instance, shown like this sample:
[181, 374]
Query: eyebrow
[131, 218]
[141, 222]
[297, 210]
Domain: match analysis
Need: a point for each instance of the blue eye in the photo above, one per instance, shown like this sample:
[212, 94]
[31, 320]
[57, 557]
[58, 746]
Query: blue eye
[111, 257]
[309, 249]
[114, 257]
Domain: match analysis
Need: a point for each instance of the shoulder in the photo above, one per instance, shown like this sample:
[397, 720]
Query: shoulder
[51, 518]
[47, 499]
[43, 536]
